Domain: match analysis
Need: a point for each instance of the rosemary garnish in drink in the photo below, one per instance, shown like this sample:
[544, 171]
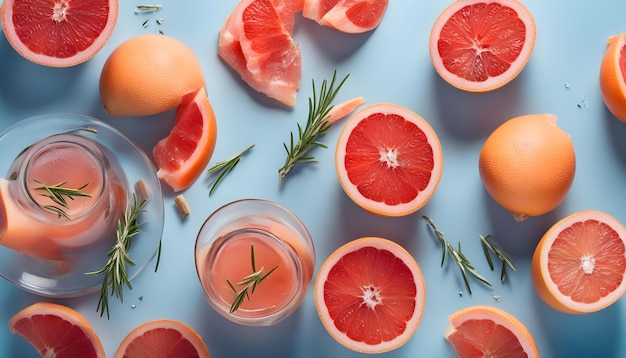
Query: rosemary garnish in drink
[504, 258]
[457, 256]
[116, 269]
[225, 166]
[249, 282]
[58, 194]
[317, 124]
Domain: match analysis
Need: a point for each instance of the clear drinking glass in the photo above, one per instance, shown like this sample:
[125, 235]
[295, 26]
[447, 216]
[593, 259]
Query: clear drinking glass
[263, 234]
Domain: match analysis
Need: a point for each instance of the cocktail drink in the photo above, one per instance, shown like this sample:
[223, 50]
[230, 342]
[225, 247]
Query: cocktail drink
[61, 194]
[255, 261]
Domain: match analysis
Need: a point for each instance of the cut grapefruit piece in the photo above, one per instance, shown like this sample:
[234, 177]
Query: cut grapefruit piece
[388, 160]
[485, 331]
[256, 42]
[182, 156]
[350, 16]
[58, 33]
[579, 264]
[57, 331]
[370, 295]
[613, 76]
[481, 45]
[162, 338]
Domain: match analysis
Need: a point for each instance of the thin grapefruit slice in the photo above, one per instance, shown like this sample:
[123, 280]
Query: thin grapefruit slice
[350, 16]
[613, 76]
[57, 331]
[256, 42]
[162, 338]
[579, 264]
[388, 160]
[485, 331]
[182, 156]
[58, 33]
[370, 295]
[481, 45]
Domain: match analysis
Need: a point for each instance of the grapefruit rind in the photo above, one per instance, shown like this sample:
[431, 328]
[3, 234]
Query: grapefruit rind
[497, 316]
[543, 283]
[612, 79]
[420, 298]
[65, 313]
[493, 82]
[186, 333]
[377, 207]
[9, 26]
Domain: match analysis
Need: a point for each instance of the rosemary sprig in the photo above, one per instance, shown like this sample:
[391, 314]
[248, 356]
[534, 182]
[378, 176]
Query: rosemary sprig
[457, 256]
[249, 283]
[316, 125]
[116, 269]
[504, 258]
[58, 194]
[148, 8]
[225, 166]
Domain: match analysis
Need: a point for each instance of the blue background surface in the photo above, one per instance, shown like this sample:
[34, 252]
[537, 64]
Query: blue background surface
[390, 64]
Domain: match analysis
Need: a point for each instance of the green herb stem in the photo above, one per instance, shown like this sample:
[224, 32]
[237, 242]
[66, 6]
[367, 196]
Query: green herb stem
[58, 194]
[249, 283]
[489, 246]
[224, 167]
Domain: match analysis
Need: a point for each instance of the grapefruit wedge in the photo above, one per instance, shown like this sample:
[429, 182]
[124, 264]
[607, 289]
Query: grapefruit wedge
[256, 42]
[579, 264]
[370, 295]
[481, 45]
[350, 16]
[58, 33]
[484, 331]
[388, 160]
[162, 338]
[182, 156]
[57, 331]
[613, 76]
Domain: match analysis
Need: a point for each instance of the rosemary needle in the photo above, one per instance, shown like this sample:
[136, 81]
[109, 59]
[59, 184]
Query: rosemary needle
[249, 283]
[116, 269]
[57, 193]
[504, 258]
[317, 124]
[225, 166]
[457, 256]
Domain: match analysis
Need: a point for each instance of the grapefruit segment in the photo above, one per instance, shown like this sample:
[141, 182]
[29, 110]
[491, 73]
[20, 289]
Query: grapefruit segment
[57, 331]
[388, 160]
[350, 16]
[256, 42]
[162, 338]
[481, 45]
[182, 156]
[370, 295]
[484, 331]
[58, 33]
[579, 264]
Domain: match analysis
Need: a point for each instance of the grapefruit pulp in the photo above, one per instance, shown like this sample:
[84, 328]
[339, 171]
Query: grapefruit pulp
[388, 160]
[481, 45]
[579, 264]
[182, 156]
[60, 33]
[370, 295]
[350, 16]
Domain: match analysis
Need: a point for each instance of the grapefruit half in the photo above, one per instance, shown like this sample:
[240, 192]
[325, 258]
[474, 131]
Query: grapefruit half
[58, 33]
[388, 160]
[481, 45]
[370, 295]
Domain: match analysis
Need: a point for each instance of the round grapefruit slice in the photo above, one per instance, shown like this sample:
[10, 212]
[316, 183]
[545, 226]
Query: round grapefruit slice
[350, 16]
[182, 156]
[484, 331]
[162, 338]
[481, 45]
[613, 76]
[58, 33]
[256, 42]
[388, 160]
[57, 331]
[579, 264]
[370, 295]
